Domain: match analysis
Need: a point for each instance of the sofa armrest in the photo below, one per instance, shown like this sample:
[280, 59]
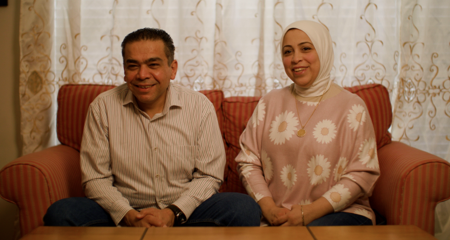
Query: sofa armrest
[34, 181]
[411, 184]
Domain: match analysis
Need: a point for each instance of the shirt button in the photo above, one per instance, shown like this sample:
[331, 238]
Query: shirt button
[157, 175]
[156, 149]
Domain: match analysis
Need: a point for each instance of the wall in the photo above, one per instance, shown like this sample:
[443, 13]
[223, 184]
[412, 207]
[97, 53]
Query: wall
[10, 143]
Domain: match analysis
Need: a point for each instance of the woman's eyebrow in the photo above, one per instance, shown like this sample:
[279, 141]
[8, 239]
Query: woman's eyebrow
[304, 43]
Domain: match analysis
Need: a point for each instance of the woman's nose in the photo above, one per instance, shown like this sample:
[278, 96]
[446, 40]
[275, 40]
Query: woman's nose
[297, 56]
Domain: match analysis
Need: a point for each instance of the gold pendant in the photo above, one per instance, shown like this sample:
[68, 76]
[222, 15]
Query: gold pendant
[301, 132]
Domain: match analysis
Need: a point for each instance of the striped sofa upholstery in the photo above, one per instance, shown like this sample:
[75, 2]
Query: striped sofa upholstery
[412, 182]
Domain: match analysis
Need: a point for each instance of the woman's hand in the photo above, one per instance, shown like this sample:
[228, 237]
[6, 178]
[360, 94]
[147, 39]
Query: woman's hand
[311, 212]
[295, 216]
[275, 215]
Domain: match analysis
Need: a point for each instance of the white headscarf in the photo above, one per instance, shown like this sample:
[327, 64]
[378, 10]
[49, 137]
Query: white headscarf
[321, 39]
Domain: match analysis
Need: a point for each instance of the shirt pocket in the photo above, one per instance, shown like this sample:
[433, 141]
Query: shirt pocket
[180, 164]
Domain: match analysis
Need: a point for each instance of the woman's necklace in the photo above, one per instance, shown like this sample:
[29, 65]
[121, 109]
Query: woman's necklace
[302, 131]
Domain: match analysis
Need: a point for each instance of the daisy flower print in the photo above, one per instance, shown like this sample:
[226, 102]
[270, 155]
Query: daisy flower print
[325, 131]
[305, 202]
[368, 154]
[246, 170]
[259, 113]
[349, 177]
[283, 128]
[339, 169]
[356, 117]
[338, 196]
[246, 155]
[364, 212]
[288, 176]
[258, 196]
[310, 104]
[266, 165]
[318, 169]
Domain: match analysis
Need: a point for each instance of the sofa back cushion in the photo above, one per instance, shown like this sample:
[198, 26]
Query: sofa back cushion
[236, 113]
[73, 103]
[377, 100]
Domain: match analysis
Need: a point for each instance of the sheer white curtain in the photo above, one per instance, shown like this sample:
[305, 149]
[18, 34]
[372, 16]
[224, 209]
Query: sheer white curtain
[233, 45]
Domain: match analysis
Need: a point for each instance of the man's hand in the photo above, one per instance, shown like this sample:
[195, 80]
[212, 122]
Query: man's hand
[149, 217]
[275, 215]
[157, 217]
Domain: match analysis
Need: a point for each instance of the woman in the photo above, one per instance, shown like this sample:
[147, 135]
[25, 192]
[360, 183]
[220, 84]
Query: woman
[308, 155]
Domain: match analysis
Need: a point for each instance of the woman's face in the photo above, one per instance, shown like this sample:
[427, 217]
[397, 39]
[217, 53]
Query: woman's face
[300, 58]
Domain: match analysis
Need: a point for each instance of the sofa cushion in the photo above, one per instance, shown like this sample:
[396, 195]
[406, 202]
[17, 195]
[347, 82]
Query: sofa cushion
[376, 97]
[216, 97]
[73, 103]
[236, 113]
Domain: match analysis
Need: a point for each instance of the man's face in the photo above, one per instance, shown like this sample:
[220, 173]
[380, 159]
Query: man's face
[147, 73]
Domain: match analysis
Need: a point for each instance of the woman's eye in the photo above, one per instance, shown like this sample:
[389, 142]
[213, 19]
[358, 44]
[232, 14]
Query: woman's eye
[287, 51]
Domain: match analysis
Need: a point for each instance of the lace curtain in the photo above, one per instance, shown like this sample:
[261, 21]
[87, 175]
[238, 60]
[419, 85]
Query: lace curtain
[233, 45]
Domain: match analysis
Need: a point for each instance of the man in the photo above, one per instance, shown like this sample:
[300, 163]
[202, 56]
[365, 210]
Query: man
[152, 152]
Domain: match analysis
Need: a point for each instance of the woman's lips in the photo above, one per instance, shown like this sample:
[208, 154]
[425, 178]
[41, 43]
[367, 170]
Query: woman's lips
[299, 70]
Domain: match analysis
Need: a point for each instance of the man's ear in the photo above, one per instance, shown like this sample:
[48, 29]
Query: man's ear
[174, 67]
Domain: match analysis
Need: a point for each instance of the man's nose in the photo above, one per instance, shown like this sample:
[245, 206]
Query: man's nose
[143, 72]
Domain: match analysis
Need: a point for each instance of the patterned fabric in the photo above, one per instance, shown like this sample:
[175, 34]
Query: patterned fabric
[35, 181]
[217, 97]
[377, 101]
[130, 161]
[335, 159]
[411, 184]
[73, 103]
[236, 113]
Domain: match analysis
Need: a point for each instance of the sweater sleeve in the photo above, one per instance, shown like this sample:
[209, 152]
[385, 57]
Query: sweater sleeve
[358, 168]
[250, 164]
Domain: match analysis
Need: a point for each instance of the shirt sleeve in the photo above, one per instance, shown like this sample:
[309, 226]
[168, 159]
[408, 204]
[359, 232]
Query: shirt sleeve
[359, 162]
[97, 178]
[250, 166]
[209, 163]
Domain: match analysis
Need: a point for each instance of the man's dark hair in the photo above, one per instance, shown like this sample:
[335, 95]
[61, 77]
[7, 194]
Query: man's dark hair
[151, 34]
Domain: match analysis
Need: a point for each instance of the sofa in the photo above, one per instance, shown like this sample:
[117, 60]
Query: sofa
[411, 183]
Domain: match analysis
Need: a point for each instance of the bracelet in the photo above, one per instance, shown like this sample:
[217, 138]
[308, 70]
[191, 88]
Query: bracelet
[303, 216]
